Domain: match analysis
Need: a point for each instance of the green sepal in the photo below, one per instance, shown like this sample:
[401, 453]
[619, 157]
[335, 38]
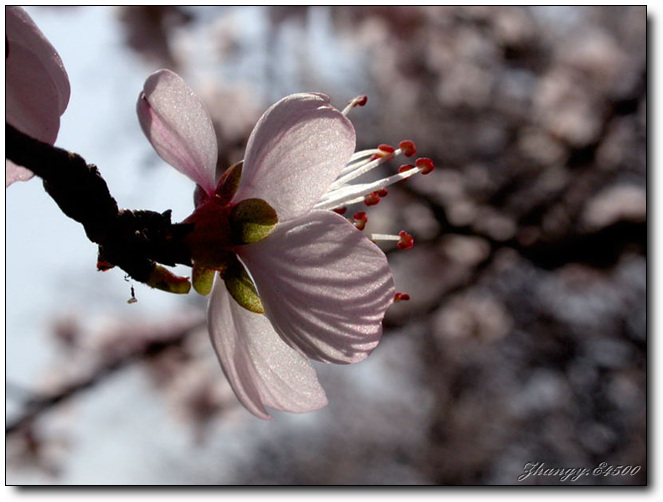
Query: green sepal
[161, 278]
[251, 220]
[202, 279]
[241, 287]
[229, 182]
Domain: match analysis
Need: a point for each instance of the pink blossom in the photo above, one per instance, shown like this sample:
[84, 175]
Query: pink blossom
[323, 286]
[37, 85]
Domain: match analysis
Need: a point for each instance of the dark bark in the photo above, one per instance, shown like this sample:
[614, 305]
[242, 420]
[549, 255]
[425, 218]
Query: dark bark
[134, 240]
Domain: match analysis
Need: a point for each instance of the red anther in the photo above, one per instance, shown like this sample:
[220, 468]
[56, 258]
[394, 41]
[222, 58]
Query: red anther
[360, 220]
[382, 192]
[426, 164]
[340, 210]
[401, 297]
[406, 240]
[405, 167]
[360, 100]
[386, 150]
[408, 148]
[371, 199]
[103, 265]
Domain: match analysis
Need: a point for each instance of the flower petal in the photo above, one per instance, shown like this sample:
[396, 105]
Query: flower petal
[181, 131]
[324, 286]
[296, 150]
[15, 172]
[261, 368]
[37, 86]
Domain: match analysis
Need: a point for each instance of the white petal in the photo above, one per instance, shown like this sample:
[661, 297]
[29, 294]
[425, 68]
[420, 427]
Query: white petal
[37, 85]
[297, 149]
[179, 128]
[324, 286]
[35, 60]
[261, 368]
[15, 172]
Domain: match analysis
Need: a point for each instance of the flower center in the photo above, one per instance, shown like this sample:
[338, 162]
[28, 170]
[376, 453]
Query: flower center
[219, 226]
[210, 242]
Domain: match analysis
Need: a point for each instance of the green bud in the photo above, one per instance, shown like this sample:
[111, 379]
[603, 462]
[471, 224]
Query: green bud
[252, 220]
[241, 287]
[161, 278]
[202, 279]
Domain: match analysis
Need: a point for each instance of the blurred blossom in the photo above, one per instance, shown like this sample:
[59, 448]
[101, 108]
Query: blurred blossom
[473, 316]
[614, 204]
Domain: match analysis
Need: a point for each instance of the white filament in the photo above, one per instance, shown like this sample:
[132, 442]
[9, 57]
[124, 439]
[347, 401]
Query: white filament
[350, 194]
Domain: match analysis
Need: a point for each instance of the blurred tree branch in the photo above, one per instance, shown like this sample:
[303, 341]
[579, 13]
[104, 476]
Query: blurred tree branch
[38, 404]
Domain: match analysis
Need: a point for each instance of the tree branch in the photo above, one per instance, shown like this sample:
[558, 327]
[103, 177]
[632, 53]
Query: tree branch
[132, 240]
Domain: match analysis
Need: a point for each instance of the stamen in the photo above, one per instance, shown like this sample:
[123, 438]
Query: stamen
[358, 101]
[371, 199]
[425, 164]
[357, 159]
[408, 147]
[385, 151]
[401, 297]
[342, 193]
[355, 193]
[361, 154]
[358, 168]
[385, 237]
[360, 220]
[406, 241]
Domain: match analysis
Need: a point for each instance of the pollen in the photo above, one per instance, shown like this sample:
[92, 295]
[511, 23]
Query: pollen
[408, 147]
[425, 164]
[353, 103]
[371, 199]
[386, 149]
[360, 220]
[401, 297]
[406, 241]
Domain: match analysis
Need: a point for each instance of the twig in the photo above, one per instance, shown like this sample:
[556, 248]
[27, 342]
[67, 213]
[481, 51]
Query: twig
[132, 240]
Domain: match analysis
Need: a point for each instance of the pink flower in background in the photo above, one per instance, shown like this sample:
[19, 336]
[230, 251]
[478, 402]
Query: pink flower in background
[323, 286]
[37, 85]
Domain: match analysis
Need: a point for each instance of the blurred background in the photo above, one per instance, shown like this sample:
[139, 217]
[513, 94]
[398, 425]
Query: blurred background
[525, 336]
